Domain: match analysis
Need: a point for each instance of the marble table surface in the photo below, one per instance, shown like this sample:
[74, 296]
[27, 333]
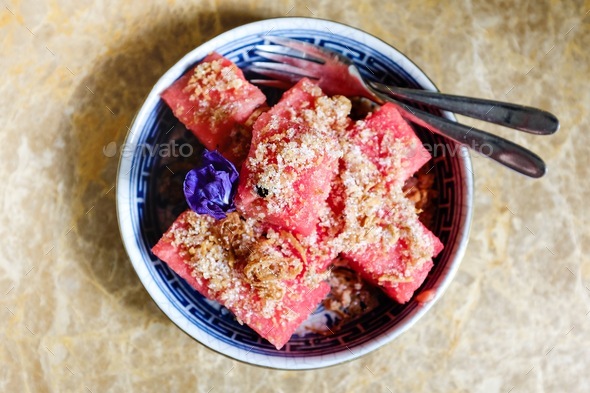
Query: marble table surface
[74, 316]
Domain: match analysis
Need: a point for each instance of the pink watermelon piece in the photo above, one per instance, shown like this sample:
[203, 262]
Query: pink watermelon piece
[390, 143]
[325, 243]
[391, 268]
[224, 276]
[240, 137]
[293, 157]
[212, 99]
[389, 246]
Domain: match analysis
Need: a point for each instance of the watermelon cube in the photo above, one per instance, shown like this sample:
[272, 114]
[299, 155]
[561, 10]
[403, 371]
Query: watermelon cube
[238, 145]
[399, 268]
[260, 275]
[212, 99]
[386, 242]
[326, 241]
[324, 244]
[293, 158]
[390, 143]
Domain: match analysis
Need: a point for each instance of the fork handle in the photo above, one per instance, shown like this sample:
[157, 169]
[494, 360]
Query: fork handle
[499, 149]
[523, 118]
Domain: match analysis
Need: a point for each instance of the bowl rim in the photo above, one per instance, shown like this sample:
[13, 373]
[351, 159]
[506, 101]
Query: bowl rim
[123, 198]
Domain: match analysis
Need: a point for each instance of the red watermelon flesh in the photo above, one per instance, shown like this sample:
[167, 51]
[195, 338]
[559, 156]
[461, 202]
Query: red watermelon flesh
[327, 241]
[260, 277]
[385, 240]
[212, 99]
[238, 146]
[390, 143]
[293, 158]
[393, 268]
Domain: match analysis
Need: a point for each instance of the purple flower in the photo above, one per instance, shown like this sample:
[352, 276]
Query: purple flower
[210, 188]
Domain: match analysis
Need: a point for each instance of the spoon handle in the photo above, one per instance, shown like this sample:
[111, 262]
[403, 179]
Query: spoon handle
[523, 118]
[497, 148]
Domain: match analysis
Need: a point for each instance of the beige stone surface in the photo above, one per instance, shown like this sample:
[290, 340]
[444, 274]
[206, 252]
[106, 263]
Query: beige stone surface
[73, 314]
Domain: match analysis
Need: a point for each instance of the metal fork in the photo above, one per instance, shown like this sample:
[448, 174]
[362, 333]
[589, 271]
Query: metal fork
[336, 74]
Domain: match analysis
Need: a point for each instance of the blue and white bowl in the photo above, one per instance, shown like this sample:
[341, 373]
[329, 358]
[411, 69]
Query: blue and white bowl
[159, 151]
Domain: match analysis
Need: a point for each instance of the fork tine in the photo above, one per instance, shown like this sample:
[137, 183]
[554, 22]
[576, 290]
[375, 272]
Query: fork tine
[271, 83]
[283, 50]
[305, 67]
[306, 48]
[278, 73]
[286, 68]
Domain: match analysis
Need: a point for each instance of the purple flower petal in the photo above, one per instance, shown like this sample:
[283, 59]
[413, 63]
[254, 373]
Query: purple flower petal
[211, 187]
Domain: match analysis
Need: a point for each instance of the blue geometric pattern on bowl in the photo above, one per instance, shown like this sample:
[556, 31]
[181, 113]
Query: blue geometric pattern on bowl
[155, 190]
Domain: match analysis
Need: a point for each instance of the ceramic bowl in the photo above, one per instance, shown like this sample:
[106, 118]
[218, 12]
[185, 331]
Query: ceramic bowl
[158, 151]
